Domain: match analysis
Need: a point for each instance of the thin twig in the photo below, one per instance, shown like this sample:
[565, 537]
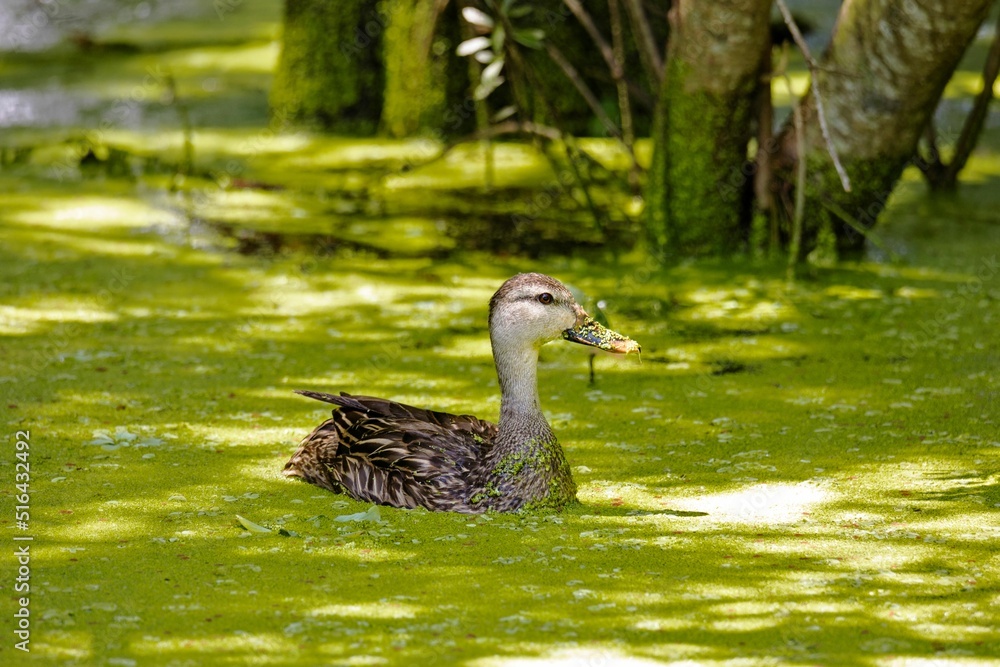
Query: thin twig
[869, 234]
[595, 105]
[795, 246]
[517, 127]
[507, 127]
[618, 46]
[436, 11]
[980, 109]
[624, 103]
[930, 134]
[549, 136]
[519, 70]
[581, 86]
[781, 71]
[602, 45]
[931, 165]
[764, 103]
[800, 41]
[516, 69]
[570, 147]
[649, 54]
[187, 155]
[573, 154]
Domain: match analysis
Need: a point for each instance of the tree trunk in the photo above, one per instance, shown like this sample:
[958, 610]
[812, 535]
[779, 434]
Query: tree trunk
[697, 181]
[330, 73]
[880, 81]
[943, 177]
[426, 84]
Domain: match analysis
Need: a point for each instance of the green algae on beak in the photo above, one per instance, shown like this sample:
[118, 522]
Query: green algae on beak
[593, 333]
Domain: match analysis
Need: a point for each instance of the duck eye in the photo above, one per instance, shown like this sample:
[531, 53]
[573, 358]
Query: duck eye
[545, 298]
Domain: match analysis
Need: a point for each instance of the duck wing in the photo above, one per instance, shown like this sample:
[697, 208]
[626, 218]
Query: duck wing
[393, 454]
[370, 406]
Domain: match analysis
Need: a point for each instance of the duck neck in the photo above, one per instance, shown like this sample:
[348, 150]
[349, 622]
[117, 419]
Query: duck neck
[525, 467]
[521, 417]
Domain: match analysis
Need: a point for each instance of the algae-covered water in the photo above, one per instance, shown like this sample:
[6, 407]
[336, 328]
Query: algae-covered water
[797, 475]
[800, 475]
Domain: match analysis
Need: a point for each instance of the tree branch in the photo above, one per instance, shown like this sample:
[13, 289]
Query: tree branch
[869, 234]
[513, 127]
[507, 127]
[795, 245]
[800, 41]
[624, 103]
[588, 24]
[930, 134]
[649, 54]
[581, 86]
[977, 117]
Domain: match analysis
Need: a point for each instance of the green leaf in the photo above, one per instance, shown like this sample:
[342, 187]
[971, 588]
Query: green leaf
[251, 526]
[520, 12]
[122, 433]
[373, 514]
[498, 39]
[533, 38]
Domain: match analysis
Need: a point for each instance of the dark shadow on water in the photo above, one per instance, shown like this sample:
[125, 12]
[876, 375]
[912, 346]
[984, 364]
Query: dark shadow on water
[677, 513]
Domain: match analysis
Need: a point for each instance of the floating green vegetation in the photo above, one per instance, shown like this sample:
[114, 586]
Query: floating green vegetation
[828, 497]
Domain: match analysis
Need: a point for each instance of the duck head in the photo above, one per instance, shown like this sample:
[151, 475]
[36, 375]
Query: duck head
[532, 309]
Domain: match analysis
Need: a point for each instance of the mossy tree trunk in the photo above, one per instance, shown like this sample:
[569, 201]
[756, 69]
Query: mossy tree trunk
[416, 67]
[330, 73]
[696, 188]
[880, 81]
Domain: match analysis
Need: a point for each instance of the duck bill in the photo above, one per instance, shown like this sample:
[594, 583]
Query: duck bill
[592, 333]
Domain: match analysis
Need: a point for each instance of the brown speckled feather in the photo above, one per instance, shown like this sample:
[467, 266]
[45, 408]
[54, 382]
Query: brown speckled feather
[393, 454]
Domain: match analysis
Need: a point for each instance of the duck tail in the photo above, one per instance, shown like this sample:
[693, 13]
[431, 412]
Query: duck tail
[307, 464]
[326, 398]
[303, 463]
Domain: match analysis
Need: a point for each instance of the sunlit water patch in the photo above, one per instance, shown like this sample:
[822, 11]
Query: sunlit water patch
[771, 504]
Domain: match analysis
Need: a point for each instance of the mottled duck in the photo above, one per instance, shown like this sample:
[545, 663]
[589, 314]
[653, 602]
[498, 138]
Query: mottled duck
[380, 451]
